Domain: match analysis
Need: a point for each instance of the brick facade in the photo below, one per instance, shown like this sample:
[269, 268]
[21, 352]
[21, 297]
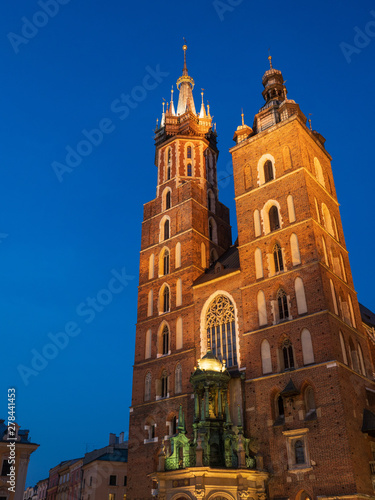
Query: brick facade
[309, 437]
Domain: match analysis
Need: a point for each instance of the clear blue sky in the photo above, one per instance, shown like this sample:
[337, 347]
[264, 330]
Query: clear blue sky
[65, 239]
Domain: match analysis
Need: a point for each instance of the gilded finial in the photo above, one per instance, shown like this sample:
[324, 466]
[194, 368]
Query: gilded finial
[242, 116]
[163, 104]
[202, 93]
[172, 93]
[270, 58]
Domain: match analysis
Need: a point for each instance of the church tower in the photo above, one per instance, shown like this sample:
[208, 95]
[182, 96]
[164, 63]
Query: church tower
[309, 376]
[184, 228]
[253, 376]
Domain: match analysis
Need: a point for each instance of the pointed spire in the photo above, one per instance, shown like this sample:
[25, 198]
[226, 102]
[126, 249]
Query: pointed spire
[171, 107]
[270, 58]
[185, 85]
[184, 69]
[162, 123]
[208, 109]
[202, 113]
[242, 116]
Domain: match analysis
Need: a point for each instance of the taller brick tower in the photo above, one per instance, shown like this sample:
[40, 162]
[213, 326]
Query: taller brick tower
[253, 375]
[184, 228]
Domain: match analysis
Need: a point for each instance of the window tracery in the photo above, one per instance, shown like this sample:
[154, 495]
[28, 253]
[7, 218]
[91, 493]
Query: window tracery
[221, 330]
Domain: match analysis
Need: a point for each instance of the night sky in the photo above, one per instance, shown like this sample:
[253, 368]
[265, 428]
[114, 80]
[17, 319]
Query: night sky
[70, 225]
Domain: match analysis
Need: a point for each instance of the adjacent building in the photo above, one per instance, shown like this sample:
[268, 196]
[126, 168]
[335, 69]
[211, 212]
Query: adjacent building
[24, 447]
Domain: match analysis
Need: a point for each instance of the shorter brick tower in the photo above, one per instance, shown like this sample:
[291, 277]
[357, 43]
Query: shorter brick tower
[308, 369]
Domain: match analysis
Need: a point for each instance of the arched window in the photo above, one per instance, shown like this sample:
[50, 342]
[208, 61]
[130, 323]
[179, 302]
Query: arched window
[164, 384]
[168, 200]
[169, 162]
[148, 344]
[343, 348]
[362, 365]
[179, 333]
[262, 309]
[148, 387]
[294, 247]
[151, 265]
[282, 304]
[189, 170]
[307, 348]
[165, 340]
[203, 255]
[317, 210]
[343, 272]
[309, 401]
[353, 356]
[188, 152]
[278, 258]
[266, 357]
[221, 329]
[288, 357]
[325, 252]
[258, 263]
[212, 232]
[257, 226]
[166, 262]
[268, 171]
[150, 303]
[178, 255]
[333, 293]
[166, 229]
[299, 451]
[273, 215]
[178, 380]
[211, 201]
[300, 296]
[351, 310]
[166, 299]
[213, 255]
[179, 292]
[319, 172]
[327, 220]
[280, 412]
[291, 211]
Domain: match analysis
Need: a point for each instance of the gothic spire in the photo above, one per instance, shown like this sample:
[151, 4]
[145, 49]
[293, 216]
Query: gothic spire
[185, 85]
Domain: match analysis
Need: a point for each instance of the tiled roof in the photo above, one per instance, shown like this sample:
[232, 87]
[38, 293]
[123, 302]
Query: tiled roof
[225, 264]
[368, 317]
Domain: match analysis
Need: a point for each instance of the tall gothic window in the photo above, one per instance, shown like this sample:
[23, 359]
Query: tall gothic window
[282, 303]
[168, 200]
[166, 229]
[288, 357]
[273, 215]
[164, 384]
[166, 262]
[278, 258]
[169, 164]
[268, 171]
[189, 170]
[189, 152]
[165, 339]
[166, 304]
[221, 329]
